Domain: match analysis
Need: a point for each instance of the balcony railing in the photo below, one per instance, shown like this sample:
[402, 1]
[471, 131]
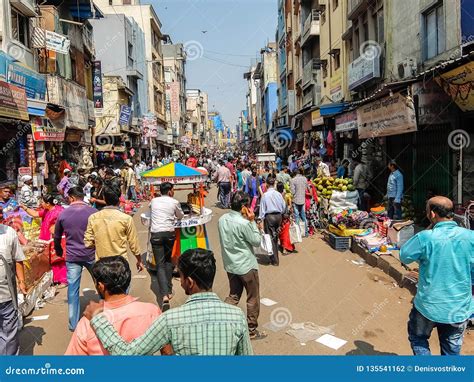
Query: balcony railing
[311, 26]
[88, 39]
[313, 96]
[310, 71]
[355, 7]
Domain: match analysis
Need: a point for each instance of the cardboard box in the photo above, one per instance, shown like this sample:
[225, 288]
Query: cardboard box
[402, 235]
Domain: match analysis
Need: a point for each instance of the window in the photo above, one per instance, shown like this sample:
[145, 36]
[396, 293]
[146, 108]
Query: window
[325, 68]
[335, 4]
[356, 44]
[20, 27]
[130, 54]
[434, 33]
[365, 27]
[73, 68]
[111, 2]
[379, 26]
[337, 60]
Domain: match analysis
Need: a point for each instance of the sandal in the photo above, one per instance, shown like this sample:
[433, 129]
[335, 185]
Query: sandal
[256, 335]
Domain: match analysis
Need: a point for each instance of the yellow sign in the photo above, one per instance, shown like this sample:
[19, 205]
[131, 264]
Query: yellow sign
[316, 119]
[459, 85]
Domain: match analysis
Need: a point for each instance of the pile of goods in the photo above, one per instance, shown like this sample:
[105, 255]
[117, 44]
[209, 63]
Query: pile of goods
[326, 186]
[348, 222]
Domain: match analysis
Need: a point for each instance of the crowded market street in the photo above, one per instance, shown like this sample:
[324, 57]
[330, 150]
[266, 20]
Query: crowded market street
[318, 284]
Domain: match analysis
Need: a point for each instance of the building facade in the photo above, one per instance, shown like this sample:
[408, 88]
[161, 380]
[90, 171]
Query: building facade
[174, 58]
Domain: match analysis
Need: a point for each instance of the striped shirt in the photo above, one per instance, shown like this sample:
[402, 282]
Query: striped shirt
[204, 325]
[299, 184]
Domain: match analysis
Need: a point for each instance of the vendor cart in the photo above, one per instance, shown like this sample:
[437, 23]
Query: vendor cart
[191, 230]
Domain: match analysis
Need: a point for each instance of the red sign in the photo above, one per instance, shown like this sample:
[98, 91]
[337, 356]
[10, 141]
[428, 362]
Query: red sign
[43, 130]
[24, 171]
[13, 103]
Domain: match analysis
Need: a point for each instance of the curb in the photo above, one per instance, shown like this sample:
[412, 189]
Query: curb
[389, 265]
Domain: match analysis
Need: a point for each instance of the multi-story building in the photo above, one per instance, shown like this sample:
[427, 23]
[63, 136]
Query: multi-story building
[150, 24]
[174, 58]
[249, 131]
[266, 74]
[120, 47]
[197, 115]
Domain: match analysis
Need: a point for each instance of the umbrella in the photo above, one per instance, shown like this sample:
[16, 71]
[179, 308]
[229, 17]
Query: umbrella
[175, 173]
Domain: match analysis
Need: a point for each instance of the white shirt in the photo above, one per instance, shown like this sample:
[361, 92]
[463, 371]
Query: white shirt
[11, 250]
[165, 211]
[323, 169]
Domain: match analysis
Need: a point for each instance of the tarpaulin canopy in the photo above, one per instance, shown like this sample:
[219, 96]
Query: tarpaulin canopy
[175, 173]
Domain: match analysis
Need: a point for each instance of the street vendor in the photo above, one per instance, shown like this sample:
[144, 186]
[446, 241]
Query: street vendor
[322, 169]
[11, 268]
[27, 197]
[49, 212]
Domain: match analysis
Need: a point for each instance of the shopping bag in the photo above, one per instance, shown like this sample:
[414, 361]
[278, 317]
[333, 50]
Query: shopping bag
[266, 246]
[295, 233]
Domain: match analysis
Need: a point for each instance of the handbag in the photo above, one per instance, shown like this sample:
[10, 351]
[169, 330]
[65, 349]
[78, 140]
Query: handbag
[295, 233]
[266, 246]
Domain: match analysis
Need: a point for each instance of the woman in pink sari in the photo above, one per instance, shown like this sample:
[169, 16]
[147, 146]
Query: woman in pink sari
[49, 212]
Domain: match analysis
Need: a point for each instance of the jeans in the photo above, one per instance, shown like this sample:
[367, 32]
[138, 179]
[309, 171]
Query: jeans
[251, 283]
[419, 331]
[300, 212]
[394, 209]
[162, 245]
[74, 272]
[9, 329]
[224, 194]
[132, 193]
[272, 224]
[362, 202]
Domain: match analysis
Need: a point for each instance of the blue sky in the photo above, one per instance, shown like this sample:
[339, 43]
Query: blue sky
[236, 31]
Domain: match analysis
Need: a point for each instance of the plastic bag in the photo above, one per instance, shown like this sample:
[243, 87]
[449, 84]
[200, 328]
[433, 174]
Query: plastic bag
[266, 246]
[295, 233]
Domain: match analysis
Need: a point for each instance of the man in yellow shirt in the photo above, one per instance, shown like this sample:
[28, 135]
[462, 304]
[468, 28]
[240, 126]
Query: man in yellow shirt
[111, 232]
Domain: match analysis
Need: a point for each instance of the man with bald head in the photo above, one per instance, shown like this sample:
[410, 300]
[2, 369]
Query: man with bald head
[445, 254]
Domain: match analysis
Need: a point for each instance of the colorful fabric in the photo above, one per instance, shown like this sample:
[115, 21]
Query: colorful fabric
[48, 219]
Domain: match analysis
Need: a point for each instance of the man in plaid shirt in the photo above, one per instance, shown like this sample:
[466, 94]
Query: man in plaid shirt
[204, 325]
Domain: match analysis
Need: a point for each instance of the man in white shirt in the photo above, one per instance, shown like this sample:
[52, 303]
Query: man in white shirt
[11, 267]
[322, 168]
[131, 183]
[223, 178]
[27, 197]
[165, 211]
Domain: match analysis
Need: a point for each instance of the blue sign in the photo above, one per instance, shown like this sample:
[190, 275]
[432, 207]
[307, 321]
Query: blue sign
[209, 369]
[23, 77]
[125, 114]
[467, 21]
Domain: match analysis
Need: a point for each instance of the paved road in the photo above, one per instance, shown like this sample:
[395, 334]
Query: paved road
[317, 285]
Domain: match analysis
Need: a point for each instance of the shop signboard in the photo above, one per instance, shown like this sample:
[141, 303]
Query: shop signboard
[57, 42]
[125, 114]
[459, 85]
[24, 171]
[23, 77]
[97, 84]
[13, 103]
[467, 26]
[316, 119]
[174, 100]
[346, 121]
[433, 103]
[362, 70]
[335, 90]
[44, 131]
[387, 116]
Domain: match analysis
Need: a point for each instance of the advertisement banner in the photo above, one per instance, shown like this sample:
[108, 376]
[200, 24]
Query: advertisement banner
[316, 119]
[459, 85]
[97, 84]
[13, 103]
[174, 100]
[44, 131]
[430, 97]
[346, 121]
[362, 70]
[149, 126]
[387, 116]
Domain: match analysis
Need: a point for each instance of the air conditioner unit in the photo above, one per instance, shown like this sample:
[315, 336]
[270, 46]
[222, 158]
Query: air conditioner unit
[407, 68]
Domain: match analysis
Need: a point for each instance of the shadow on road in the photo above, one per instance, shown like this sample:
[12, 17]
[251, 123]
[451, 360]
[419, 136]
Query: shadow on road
[30, 336]
[364, 348]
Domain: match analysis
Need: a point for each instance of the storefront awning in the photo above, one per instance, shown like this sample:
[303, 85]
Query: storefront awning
[332, 108]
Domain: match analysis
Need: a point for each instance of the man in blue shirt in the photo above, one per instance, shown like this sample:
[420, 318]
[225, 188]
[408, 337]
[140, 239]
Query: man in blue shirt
[394, 191]
[272, 208]
[445, 253]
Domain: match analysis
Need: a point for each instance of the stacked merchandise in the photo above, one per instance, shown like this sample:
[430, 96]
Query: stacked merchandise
[348, 222]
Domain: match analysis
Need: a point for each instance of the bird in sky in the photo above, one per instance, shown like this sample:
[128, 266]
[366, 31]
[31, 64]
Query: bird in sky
[203, 31]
